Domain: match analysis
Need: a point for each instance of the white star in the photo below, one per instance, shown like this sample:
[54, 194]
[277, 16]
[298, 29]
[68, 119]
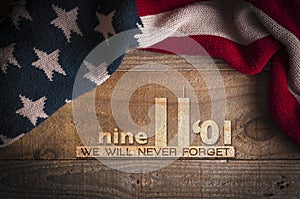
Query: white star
[48, 63]
[105, 24]
[7, 57]
[32, 110]
[98, 75]
[19, 11]
[66, 21]
[68, 101]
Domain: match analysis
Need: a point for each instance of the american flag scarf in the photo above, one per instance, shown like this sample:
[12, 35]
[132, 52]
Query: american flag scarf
[44, 43]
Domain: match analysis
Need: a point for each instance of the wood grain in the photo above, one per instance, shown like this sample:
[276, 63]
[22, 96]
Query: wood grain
[182, 179]
[254, 134]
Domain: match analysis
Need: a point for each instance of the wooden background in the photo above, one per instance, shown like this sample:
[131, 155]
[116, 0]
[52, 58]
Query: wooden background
[42, 164]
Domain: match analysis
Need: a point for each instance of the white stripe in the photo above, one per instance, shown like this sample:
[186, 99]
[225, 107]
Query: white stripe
[296, 96]
[292, 44]
[237, 21]
[218, 18]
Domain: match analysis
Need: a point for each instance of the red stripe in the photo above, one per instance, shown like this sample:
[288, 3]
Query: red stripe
[284, 107]
[151, 7]
[249, 59]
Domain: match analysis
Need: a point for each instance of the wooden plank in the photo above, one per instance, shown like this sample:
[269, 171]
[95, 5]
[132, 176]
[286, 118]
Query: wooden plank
[182, 179]
[135, 57]
[253, 134]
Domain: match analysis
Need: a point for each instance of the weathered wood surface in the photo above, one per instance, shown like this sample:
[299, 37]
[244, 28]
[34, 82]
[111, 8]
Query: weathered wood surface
[183, 179]
[254, 134]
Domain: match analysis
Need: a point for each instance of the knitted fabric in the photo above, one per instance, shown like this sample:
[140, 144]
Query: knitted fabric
[43, 44]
